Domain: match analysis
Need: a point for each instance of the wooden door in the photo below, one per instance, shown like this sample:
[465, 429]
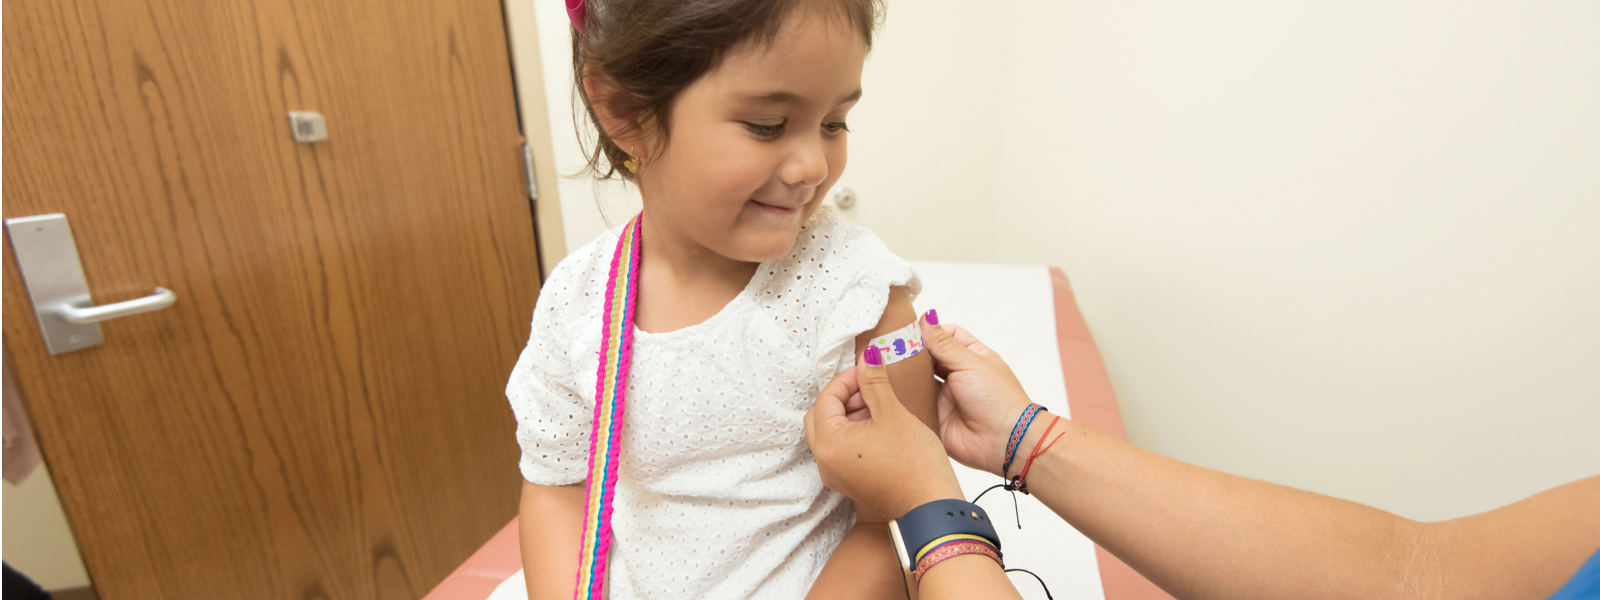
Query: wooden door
[321, 414]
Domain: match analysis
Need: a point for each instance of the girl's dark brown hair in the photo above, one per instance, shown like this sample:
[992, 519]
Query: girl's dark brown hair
[647, 51]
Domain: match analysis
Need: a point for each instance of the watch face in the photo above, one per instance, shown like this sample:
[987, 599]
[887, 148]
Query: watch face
[900, 546]
[905, 559]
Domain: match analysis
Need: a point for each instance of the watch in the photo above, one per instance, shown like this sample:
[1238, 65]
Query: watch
[934, 521]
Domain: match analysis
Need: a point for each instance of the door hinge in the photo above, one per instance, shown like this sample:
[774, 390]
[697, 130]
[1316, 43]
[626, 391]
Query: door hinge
[527, 170]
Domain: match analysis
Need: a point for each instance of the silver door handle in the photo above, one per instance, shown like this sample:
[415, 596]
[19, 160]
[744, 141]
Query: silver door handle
[162, 298]
[47, 258]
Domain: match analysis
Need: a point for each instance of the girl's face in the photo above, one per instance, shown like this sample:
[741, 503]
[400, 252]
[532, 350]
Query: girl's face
[757, 141]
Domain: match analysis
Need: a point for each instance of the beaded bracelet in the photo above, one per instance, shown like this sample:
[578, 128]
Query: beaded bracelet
[1017, 432]
[952, 549]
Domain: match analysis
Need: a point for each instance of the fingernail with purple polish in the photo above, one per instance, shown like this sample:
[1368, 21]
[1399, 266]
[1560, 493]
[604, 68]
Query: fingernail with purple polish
[873, 357]
[932, 316]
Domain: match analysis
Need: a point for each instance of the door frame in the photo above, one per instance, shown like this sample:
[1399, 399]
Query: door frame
[533, 110]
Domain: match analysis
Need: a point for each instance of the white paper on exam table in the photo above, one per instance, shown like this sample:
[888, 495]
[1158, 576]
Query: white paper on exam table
[1012, 309]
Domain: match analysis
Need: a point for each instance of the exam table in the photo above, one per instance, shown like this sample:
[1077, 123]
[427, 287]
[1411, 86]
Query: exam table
[1011, 308]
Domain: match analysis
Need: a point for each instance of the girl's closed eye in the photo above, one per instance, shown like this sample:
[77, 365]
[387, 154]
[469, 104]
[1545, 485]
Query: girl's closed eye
[773, 131]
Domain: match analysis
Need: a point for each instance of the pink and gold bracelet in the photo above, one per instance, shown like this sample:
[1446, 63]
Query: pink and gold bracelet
[952, 549]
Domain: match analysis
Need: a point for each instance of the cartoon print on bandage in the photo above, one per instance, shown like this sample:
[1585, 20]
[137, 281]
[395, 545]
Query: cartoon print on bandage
[900, 344]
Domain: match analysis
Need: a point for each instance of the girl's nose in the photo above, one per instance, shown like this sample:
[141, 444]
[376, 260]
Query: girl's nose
[807, 166]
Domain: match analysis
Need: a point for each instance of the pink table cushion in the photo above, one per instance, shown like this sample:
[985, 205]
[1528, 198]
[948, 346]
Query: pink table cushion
[475, 579]
[1094, 405]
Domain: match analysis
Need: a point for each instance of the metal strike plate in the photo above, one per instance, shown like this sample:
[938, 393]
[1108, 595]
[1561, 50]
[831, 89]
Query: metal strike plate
[308, 127]
[48, 259]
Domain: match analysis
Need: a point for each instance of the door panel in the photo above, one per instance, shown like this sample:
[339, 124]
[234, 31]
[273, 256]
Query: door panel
[321, 413]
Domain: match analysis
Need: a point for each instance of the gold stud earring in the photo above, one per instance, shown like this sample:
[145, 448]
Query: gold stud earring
[632, 163]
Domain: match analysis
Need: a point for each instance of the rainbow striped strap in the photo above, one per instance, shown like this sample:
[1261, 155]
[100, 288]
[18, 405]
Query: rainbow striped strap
[605, 440]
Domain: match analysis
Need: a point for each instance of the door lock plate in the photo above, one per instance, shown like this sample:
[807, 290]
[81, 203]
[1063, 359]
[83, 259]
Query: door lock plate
[48, 259]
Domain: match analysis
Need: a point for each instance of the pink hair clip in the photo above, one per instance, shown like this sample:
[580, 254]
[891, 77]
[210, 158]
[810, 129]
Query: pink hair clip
[576, 12]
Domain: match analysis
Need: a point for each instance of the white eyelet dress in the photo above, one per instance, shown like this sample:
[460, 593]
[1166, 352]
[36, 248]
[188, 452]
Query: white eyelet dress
[718, 495]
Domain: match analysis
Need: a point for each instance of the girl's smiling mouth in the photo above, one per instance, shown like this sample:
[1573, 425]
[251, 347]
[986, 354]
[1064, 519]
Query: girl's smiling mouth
[774, 208]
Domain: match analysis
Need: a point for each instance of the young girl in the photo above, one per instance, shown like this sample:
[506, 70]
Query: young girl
[729, 115]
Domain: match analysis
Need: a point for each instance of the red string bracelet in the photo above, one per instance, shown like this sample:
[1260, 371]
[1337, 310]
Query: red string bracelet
[1021, 482]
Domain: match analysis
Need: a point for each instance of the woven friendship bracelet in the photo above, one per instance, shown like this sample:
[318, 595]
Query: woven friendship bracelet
[1017, 432]
[952, 549]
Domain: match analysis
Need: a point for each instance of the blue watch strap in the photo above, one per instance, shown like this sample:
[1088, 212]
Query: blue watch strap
[941, 518]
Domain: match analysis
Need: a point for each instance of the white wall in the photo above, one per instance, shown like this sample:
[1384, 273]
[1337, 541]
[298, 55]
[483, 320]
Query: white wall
[587, 208]
[1352, 247]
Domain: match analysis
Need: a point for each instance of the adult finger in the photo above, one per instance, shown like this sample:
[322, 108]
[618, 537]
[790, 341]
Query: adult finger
[811, 427]
[856, 408]
[830, 404]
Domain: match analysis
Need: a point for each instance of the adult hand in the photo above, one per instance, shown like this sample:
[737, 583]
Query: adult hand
[981, 398]
[881, 456]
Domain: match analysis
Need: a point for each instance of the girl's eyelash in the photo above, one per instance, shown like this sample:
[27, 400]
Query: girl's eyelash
[836, 127]
[765, 131]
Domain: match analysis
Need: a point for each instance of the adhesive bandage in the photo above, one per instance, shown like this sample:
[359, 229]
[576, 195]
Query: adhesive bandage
[900, 344]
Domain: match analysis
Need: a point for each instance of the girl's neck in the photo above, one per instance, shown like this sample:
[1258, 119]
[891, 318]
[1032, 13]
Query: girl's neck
[683, 283]
[686, 262]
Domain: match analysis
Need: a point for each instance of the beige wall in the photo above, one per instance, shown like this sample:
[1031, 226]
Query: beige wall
[37, 541]
[1352, 247]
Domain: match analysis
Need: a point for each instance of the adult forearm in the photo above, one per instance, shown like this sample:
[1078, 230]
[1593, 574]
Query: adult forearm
[550, 529]
[1200, 533]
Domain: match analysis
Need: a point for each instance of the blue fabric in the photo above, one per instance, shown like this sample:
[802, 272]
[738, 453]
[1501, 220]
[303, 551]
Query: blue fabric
[1585, 584]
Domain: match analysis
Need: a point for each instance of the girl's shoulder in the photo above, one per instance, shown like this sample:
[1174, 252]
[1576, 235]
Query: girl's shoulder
[590, 264]
[565, 295]
[835, 254]
[834, 283]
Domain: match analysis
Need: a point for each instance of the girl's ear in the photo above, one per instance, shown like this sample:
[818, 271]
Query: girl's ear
[623, 129]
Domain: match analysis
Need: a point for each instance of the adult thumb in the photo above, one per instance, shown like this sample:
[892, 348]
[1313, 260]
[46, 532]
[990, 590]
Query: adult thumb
[873, 378]
[949, 354]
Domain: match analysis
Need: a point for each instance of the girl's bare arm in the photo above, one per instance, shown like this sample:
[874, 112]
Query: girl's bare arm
[864, 565]
[550, 525]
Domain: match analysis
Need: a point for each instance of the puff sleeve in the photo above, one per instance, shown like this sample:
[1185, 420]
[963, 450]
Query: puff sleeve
[853, 290]
[553, 415]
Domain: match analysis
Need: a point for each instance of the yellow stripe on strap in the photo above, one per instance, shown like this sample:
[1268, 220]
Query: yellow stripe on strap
[949, 538]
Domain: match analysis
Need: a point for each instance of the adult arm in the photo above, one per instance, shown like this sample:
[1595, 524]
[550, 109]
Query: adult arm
[550, 528]
[1200, 533]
